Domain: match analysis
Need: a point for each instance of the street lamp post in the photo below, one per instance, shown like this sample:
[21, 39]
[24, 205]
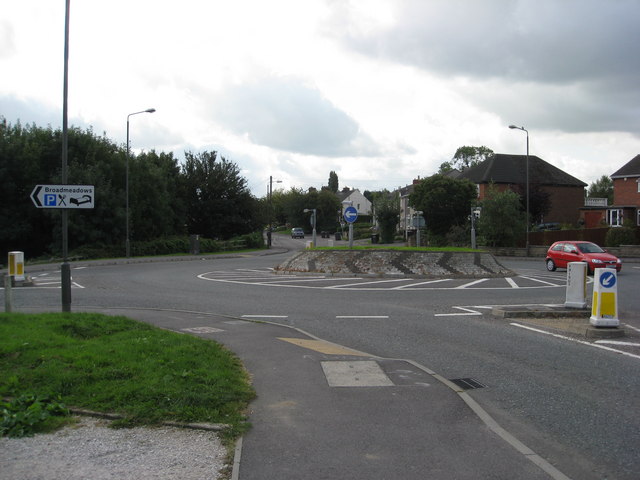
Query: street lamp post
[127, 243]
[418, 213]
[313, 223]
[527, 182]
[270, 209]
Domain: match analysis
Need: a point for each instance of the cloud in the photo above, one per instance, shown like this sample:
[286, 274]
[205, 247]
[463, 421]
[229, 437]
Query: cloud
[285, 114]
[7, 39]
[564, 56]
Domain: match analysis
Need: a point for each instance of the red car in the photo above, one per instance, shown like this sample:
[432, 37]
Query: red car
[562, 253]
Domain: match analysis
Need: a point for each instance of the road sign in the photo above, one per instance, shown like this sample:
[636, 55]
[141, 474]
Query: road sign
[607, 279]
[350, 214]
[63, 196]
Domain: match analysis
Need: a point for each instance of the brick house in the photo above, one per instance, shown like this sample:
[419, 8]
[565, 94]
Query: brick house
[626, 194]
[566, 193]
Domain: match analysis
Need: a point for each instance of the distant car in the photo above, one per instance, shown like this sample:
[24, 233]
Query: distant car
[562, 253]
[297, 233]
[541, 227]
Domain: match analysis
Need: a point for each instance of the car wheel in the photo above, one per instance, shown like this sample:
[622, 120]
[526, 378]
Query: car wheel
[551, 266]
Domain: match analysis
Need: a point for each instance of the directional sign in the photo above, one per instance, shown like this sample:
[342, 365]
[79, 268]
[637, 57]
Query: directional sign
[63, 196]
[350, 214]
[607, 279]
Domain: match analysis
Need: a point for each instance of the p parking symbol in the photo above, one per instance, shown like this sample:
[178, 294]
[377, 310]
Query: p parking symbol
[50, 200]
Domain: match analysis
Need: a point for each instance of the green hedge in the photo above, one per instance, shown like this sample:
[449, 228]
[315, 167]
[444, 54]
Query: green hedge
[169, 246]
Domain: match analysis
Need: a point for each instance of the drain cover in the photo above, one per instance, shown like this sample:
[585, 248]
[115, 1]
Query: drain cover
[467, 383]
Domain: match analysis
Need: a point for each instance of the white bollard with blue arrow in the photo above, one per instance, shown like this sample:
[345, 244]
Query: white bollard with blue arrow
[604, 309]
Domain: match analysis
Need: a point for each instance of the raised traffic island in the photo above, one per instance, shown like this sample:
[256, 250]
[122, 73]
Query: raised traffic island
[381, 262]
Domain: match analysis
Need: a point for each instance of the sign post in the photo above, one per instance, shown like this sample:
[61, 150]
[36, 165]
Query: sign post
[63, 196]
[350, 215]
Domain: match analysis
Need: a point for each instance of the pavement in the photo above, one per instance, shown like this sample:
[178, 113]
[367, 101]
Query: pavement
[324, 411]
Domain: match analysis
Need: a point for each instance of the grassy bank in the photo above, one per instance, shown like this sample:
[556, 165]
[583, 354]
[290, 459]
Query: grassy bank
[118, 365]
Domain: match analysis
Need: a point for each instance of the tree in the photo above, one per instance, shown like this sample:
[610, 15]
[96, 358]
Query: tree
[501, 222]
[327, 206]
[219, 203]
[445, 202]
[333, 182]
[466, 157]
[539, 202]
[602, 188]
[386, 208]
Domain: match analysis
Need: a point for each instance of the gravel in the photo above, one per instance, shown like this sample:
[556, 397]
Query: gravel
[90, 449]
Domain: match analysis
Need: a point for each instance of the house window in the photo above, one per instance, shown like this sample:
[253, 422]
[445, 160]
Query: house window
[614, 217]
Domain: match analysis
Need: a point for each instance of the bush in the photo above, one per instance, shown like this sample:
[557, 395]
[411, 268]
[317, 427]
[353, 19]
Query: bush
[29, 414]
[169, 246]
[621, 236]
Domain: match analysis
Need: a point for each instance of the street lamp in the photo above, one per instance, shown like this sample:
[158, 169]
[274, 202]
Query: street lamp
[270, 209]
[527, 180]
[418, 213]
[127, 243]
[313, 222]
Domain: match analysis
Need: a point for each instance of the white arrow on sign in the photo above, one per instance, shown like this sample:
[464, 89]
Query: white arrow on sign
[63, 196]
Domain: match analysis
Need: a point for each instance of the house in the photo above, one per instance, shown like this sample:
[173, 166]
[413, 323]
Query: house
[565, 192]
[626, 194]
[362, 204]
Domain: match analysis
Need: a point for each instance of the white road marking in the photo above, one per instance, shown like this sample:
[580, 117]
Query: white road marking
[368, 283]
[618, 342]
[511, 282]
[468, 311]
[265, 316]
[422, 283]
[470, 284]
[563, 337]
[362, 316]
[631, 327]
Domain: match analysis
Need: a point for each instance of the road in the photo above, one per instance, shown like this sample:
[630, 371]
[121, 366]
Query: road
[571, 401]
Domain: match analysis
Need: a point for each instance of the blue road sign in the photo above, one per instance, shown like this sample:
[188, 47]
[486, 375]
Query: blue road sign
[350, 214]
[607, 279]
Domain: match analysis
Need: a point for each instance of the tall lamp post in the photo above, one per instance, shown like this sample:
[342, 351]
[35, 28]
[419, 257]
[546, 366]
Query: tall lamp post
[527, 180]
[313, 223]
[270, 209]
[127, 243]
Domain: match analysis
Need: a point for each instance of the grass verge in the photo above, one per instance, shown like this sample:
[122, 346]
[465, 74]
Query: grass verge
[117, 365]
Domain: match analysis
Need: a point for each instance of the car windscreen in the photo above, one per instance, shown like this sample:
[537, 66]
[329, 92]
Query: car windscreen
[589, 248]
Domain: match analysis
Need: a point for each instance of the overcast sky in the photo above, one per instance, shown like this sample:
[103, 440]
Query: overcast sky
[380, 91]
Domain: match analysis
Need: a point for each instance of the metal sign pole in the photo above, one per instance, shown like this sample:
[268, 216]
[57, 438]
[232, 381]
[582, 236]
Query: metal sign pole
[65, 270]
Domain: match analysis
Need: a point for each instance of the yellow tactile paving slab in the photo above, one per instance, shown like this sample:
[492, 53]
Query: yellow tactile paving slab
[322, 347]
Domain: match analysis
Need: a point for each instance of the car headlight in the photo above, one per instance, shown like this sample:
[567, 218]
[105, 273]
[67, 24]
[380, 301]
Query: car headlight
[596, 260]
[618, 261]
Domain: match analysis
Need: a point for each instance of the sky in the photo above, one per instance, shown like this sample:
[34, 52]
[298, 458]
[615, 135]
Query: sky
[379, 91]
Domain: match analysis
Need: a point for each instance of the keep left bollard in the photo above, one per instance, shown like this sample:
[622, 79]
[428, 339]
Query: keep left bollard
[604, 309]
[16, 266]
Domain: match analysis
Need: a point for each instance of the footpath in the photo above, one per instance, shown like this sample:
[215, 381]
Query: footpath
[324, 411]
